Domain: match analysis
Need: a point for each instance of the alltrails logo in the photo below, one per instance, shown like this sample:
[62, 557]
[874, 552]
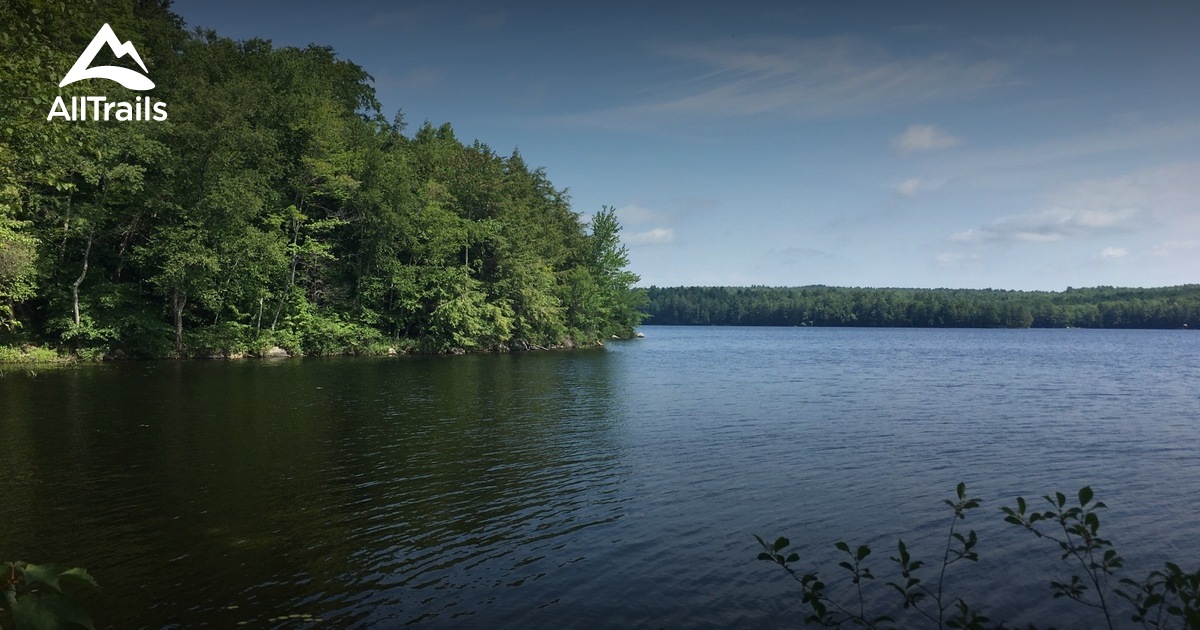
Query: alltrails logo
[99, 107]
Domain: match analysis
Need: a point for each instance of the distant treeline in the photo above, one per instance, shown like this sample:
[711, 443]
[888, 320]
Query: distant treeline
[1100, 307]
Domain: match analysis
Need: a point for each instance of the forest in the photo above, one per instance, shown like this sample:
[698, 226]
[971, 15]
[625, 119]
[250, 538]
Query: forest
[275, 205]
[1099, 307]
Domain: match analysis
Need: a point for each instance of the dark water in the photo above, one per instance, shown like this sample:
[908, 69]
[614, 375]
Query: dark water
[616, 488]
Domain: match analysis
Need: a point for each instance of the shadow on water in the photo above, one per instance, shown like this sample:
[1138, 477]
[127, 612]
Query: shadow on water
[346, 490]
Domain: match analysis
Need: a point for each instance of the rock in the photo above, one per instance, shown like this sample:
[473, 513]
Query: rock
[501, 347]
[457, 351]
[614, 337]
[116, 354]
[275, 352]
[392, 352]
[520, 345]
[640, 336]
[568, 343]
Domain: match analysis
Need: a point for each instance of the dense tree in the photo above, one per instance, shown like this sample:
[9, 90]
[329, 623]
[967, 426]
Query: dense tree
[275, 206]
[1101, 307]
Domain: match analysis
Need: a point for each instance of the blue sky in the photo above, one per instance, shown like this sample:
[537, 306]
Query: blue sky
[1018, 145]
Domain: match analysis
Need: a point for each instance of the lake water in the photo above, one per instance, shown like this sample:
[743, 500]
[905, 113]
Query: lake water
[603, 488]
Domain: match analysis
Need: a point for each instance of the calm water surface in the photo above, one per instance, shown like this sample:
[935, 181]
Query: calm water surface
[616, 488]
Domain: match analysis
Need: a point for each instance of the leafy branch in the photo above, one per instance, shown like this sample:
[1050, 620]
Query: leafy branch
[1166, 598]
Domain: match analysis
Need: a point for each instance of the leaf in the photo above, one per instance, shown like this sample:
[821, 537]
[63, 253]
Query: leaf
[29, 614]
[765, 556]
[842, 545]
[962, 491]
[43, 574]
[761, 542]
[78, 576]
[66, 611]
[1021, 505]
[863, 552]
[1085, 495]
[780, 543]
[1062, 499]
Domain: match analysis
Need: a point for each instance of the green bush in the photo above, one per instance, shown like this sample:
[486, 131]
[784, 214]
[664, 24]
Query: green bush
[28, 354]
[224, 339]
[1166, 598]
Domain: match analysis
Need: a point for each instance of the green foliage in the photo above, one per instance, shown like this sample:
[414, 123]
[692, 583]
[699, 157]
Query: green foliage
[43, 597]
[1101, 307]
[28, 354]
[1167, 598]
[276, 206]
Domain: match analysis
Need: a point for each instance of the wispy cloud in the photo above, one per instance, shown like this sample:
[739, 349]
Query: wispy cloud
[909, 187]
[1048, 226]
[807, 78]
[1114, 253]
[1165, 199]
[923, 138]
[1173, 247]
[652, 225]
[805, 252]
[655, 236]
[1016, 164]
[916, 185]
[423, 18]
[956, 258]
[634, 214]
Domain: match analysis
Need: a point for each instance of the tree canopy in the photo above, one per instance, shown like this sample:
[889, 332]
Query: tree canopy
[276, 205]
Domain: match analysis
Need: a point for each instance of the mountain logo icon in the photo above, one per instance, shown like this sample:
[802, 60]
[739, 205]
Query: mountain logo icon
[126, 77]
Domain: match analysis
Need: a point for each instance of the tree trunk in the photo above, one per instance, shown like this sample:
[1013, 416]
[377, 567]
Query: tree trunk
[291, 276]
[178, 300]
[87, 251]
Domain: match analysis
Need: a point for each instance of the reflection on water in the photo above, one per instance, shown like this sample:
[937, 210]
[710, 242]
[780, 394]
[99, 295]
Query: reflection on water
[599, 488]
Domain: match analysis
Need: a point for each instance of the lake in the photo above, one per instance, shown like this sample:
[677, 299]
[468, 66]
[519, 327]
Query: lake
[599, 488]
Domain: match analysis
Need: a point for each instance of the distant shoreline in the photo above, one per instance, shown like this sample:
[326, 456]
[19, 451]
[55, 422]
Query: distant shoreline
[1175, 307]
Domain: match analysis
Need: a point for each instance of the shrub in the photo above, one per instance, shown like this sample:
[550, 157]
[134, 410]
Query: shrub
[1165, 598]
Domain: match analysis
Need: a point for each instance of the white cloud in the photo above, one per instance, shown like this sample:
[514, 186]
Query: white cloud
[1113, 253]
[923, 138]
[656, 236]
